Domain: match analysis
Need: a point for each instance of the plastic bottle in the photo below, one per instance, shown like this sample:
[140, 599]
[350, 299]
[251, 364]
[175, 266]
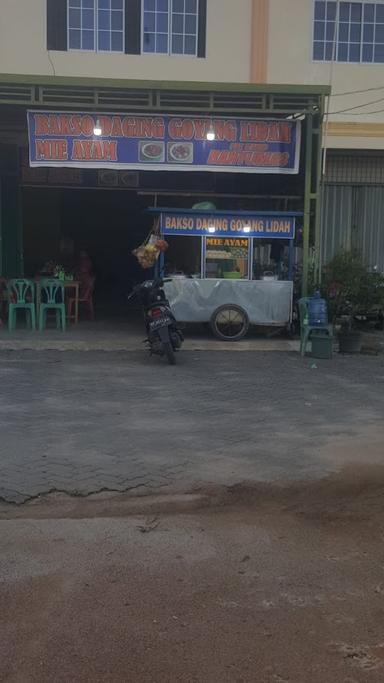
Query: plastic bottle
[317, 310]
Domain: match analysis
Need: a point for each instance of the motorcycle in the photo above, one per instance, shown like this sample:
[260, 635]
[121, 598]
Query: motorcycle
[164, 335]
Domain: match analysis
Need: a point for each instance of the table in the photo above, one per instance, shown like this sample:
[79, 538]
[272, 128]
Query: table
[68, 285]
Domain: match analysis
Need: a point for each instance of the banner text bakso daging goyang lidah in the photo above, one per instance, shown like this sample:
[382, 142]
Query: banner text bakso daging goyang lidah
[157, 142]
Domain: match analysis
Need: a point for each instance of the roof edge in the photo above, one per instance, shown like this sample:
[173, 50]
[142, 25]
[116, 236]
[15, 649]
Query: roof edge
[294, 89]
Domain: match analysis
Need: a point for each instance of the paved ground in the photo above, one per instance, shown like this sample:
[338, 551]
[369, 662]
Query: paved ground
[127, 335]
[228, 526]
[83, 422]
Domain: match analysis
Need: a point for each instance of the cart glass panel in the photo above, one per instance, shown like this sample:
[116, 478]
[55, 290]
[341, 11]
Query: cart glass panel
[183, 256]
[270, 260]
[226, 258]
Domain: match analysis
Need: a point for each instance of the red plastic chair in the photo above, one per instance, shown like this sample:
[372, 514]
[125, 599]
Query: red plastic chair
[85, 298]
[3, 298]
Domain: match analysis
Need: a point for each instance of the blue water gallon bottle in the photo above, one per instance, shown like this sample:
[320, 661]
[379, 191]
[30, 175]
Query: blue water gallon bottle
[317, 310]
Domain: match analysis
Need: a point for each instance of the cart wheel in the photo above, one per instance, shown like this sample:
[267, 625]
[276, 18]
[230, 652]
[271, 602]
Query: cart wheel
[229, 323]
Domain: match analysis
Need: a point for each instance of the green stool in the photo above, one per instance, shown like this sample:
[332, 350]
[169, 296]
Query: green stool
[322, 344]
[52, 299]
[21, 296]
[307, 330]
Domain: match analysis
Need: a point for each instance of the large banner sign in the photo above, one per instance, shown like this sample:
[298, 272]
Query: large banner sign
[157, 142]
[228, 225]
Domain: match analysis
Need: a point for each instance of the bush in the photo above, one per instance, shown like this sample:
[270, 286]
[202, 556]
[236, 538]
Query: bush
[350, 288]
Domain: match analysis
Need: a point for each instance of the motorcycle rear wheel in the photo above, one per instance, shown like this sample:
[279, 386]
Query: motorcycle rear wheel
[169, 352]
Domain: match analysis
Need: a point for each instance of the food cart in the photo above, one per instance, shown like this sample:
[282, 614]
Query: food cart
[231, 285]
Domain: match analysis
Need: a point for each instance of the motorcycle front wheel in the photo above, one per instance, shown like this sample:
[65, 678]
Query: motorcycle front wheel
[169, 352]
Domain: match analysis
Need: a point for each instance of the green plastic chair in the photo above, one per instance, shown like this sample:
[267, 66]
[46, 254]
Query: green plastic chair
[21, 297]
[52, 299]
[306, 329]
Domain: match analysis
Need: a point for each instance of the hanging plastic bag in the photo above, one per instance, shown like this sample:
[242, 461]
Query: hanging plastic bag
[148, 252]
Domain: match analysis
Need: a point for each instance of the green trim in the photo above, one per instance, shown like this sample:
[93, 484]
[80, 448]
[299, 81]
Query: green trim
[307, 202]
[267, 88]
[318, 205]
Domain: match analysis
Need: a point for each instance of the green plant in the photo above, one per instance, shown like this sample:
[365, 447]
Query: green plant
[350, 288]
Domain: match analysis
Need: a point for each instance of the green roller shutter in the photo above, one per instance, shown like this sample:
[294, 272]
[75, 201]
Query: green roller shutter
[133, 27]
[202, 35]
[11, 249]
[57, 23]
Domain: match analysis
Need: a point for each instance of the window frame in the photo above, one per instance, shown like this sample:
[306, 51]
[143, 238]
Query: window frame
[96, 48]
[348, 43]
[169, 52]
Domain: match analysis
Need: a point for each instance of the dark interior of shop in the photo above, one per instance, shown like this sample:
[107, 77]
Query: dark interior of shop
[106, 224]
[109, 222]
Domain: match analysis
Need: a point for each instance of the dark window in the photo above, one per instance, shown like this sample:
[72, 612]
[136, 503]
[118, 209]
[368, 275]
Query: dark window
[134, 26]
[356, 27]
[173, 27]
[96, 25]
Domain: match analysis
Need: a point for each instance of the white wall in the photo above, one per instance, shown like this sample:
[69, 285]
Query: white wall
[290, 61]
[23, 48]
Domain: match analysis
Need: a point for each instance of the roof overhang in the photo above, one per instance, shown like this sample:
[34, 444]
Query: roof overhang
[59, 92]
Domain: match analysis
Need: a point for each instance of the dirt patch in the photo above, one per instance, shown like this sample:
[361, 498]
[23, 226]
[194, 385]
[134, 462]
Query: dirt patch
[234, 592]
[355, 493]
[353, 448]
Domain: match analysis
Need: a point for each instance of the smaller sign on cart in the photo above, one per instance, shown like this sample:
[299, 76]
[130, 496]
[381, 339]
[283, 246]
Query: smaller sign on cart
[228, 225]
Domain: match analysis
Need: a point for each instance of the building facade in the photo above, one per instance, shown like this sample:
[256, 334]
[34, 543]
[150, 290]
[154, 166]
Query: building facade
[212, 56]
[340, 44]
[302, 42]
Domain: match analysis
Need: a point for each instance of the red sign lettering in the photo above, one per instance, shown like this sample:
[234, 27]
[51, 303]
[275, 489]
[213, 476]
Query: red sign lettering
[94, 150]
[51, 150]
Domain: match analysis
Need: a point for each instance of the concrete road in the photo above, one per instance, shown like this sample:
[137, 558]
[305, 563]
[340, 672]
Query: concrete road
[85, 422]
